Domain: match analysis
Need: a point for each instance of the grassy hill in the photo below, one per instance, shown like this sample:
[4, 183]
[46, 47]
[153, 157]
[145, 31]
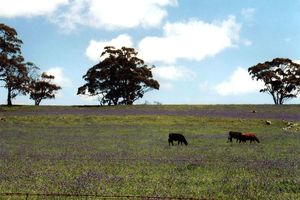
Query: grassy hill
[124, 151]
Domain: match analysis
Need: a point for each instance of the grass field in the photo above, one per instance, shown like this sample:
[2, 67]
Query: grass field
[124, 151]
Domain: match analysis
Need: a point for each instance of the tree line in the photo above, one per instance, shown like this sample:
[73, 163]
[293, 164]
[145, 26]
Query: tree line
[19, 76]
[120, 77]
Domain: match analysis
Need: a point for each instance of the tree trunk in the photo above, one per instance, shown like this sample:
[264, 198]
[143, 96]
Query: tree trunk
[129, 100]
[274, 98]
[9, 103]
[37, 102]
[281, 99]
[115, 101]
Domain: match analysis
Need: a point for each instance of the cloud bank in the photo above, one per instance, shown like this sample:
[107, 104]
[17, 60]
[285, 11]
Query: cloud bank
[193, 40]
[113, 14]
[29, 8]
[240, 82]
[95, 48]
[173, 73]
[60, 78]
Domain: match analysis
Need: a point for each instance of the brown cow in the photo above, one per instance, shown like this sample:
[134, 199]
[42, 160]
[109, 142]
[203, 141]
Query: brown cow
[248, 136]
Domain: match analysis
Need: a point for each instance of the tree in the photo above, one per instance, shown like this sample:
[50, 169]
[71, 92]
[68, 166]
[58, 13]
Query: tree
[281, 77]
[120, 78]
[13, 70]
[40, 89]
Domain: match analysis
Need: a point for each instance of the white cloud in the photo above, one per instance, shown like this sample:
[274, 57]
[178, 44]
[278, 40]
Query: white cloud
[296, 61]
[240, 82]
[107, 14]
[114, 14]
[192, 40]
[166, 86]
[248, 13]
[89, 98]
[28, 8]
[173, 73]
[60, 78]
[95, 48]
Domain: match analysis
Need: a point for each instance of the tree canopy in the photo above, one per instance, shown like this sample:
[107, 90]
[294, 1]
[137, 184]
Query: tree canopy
[41, 88]
[281, 77]
[119, 78]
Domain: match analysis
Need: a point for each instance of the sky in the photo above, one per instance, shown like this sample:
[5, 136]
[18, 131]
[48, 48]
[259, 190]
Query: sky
[201, 49]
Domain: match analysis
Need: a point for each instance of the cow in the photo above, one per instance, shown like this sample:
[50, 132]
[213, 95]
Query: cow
[248, 136]
[177, 137]
[233, 134]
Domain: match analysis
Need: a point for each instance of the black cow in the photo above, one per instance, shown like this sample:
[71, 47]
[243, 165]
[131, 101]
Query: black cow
[177, 137]
[233, 134]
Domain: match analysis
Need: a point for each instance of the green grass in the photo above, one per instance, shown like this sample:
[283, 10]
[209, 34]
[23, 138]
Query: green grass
[129, 155]
[284, 109]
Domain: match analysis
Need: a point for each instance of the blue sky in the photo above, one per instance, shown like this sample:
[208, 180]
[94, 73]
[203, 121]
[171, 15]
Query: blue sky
[201, 48]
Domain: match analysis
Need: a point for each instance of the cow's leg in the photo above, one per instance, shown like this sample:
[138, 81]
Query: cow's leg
[229, 139]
